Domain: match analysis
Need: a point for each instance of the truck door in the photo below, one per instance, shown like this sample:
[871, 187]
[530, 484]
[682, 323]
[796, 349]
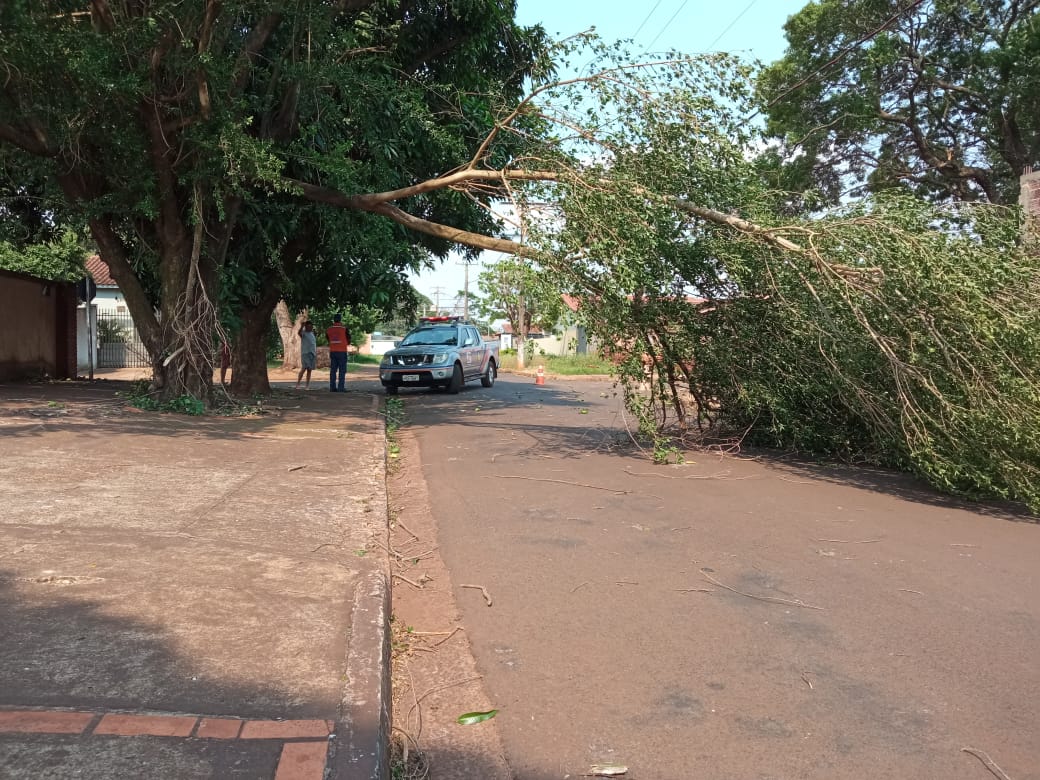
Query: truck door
[470, 351]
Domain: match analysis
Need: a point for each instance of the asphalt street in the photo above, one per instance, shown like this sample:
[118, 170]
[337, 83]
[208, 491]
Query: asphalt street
[731, 617]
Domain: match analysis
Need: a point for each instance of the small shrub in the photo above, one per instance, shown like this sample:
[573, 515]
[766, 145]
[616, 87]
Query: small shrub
[141, 397]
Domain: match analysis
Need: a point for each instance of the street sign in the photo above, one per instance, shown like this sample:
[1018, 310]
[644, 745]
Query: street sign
[86, 289]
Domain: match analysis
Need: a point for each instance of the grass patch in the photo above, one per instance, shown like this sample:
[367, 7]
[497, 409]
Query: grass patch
[394, 421]
[142, 398]
[573, 365]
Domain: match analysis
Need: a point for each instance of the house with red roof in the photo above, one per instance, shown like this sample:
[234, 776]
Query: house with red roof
[117, 343]
[109, 297]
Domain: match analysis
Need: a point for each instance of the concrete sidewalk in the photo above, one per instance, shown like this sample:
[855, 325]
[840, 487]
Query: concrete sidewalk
[192, 597]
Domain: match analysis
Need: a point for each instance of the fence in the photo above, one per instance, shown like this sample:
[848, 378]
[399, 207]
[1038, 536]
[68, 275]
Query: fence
[119, 345]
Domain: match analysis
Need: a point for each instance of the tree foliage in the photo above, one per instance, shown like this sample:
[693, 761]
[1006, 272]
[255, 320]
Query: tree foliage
[168, 127]
[937, 96]
[521, 292]
[889, 331]
[58, 260]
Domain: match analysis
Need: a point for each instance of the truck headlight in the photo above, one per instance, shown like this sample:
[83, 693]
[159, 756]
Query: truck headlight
[440, 357]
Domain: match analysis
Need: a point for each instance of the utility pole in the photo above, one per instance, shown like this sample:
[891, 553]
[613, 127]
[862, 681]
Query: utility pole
[465, 294]
[522, 348]
[465, 290]
[437, 299]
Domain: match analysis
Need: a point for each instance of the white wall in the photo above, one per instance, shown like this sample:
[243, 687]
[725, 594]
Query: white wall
[82, 356]
[110, 300]
[380, 346]
[564, 344]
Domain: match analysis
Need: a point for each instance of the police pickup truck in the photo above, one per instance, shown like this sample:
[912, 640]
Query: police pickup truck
[440, 352]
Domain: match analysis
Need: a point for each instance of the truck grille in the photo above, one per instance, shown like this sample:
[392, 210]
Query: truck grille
[411, 360]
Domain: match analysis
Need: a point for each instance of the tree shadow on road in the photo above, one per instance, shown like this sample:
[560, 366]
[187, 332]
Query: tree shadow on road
[100, 409]
[890, 483]
[562, 421]
[63, 648]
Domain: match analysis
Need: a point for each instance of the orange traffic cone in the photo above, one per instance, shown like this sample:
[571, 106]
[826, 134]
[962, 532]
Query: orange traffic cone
[539, 378]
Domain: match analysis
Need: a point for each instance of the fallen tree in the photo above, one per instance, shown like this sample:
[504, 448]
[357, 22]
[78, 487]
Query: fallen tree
[891, 331]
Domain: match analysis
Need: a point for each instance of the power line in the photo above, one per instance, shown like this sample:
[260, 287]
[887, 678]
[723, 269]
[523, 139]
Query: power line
[647, 19]
[722, 34]
[837, 58]
[666, 25]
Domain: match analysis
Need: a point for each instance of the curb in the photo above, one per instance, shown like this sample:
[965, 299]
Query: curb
[364, 751]
[365, 708]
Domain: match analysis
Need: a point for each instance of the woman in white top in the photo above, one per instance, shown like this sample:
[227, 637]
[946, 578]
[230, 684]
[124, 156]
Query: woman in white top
[308, 353]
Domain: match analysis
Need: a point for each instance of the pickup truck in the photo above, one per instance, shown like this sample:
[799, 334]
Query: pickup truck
[440, 352]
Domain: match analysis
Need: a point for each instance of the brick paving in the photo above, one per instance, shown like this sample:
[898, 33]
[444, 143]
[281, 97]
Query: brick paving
[303, 755]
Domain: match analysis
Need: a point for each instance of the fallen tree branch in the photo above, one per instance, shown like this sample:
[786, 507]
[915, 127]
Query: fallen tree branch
[482, 589]
[406, 528]
[770, 599]
[987, 762]
[565, 482]
[849, 541]
[417, 585]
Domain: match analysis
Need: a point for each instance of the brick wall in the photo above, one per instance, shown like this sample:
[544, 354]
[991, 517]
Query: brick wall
[37, 328]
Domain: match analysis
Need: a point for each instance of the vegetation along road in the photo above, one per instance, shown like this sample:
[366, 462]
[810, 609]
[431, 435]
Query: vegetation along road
[730, 617]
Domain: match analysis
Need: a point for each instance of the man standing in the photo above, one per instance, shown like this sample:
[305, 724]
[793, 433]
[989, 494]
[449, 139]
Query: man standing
[339, 340]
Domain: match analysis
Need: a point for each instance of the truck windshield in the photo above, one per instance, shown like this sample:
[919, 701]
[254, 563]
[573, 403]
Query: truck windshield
[438, 337]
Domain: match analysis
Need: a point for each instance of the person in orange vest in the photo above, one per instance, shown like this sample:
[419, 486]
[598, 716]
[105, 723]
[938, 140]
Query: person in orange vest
[339, 340]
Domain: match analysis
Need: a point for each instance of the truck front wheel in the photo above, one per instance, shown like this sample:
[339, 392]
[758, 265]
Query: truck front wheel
[457, 380]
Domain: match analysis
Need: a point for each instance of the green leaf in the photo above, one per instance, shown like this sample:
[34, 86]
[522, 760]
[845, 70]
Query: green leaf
[475, 717]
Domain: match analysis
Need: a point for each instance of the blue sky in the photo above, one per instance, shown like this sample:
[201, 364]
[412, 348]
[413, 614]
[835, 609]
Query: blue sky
[753, 28]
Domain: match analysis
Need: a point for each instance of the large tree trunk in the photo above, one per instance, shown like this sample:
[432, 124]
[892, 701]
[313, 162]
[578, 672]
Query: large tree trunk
[289, 330]
[184, 359]
[249, 352]
[179, 336]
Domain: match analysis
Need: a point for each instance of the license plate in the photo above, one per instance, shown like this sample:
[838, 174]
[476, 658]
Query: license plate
[410, 378]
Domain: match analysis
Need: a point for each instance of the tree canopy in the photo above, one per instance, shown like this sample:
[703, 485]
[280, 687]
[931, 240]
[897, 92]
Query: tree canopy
[167, 128]
[936, 96]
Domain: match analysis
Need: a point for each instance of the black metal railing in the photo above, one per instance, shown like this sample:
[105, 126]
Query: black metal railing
[119, 345]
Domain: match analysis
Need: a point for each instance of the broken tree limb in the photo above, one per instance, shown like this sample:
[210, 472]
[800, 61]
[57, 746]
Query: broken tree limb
[771, 599]
[482, 589]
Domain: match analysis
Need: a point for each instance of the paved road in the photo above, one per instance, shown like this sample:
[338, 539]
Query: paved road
[729, 618]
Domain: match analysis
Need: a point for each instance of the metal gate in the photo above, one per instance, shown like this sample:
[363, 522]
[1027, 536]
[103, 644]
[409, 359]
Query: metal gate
[119, 345]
